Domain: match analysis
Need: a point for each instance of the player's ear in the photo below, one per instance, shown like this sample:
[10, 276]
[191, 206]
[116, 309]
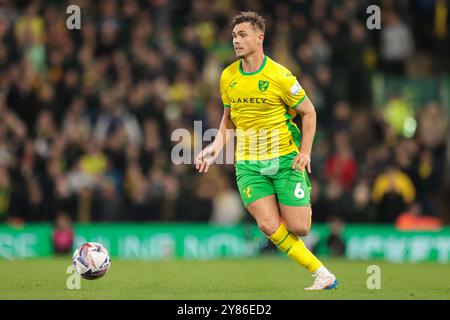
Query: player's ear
[260, 38]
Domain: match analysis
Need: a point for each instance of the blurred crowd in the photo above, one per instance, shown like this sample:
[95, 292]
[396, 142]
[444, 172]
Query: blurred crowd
[86, 115]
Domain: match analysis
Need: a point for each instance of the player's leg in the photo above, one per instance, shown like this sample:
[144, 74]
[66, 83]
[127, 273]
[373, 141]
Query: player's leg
[266, 214]
[293, 190]
[297, 223]
[258, 195]
[297, 219]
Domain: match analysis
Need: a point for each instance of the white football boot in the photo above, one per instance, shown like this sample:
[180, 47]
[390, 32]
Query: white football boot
[323, 282]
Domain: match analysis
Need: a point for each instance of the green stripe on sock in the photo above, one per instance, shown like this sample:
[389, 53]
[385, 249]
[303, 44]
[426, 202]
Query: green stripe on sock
[284, 238]
[287, 251]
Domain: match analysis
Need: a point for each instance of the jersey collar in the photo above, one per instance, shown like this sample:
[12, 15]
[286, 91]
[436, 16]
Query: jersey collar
[254, 72]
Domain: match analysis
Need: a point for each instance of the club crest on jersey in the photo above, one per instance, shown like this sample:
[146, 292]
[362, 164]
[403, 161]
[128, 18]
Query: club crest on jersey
[263, 85]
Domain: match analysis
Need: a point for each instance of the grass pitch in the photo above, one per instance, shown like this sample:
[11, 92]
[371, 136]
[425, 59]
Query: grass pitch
[257, 278]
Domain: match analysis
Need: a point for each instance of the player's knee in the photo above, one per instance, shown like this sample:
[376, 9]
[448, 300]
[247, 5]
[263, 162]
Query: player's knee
[268, 227]
[300, 230]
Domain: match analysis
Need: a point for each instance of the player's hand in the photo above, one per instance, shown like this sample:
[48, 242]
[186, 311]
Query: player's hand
[205, 158]
[302, 161]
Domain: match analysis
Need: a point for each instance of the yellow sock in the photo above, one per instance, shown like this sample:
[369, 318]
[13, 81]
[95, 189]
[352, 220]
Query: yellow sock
[288, 243]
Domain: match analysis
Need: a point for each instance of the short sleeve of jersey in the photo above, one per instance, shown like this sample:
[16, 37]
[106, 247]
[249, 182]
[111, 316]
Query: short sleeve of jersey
[223, 91]
[292, 92]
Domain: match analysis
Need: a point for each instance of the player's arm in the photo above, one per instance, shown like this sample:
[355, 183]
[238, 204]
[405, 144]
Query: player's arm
[207, 156]
[295, 97]
[224, 135]
[309, 118]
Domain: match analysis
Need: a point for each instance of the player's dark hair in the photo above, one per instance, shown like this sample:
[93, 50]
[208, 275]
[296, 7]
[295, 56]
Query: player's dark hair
[255, 20]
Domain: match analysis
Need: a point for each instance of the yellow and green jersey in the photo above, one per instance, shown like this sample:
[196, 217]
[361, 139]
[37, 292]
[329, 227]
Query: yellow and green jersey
[262, 108]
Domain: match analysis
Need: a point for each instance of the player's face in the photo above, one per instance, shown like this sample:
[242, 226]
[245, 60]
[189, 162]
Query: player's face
[246, 39]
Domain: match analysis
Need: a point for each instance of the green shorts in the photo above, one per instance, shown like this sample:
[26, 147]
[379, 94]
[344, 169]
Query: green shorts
[260, 178]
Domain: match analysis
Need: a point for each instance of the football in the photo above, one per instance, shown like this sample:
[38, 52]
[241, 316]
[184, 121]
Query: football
[91, 260]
